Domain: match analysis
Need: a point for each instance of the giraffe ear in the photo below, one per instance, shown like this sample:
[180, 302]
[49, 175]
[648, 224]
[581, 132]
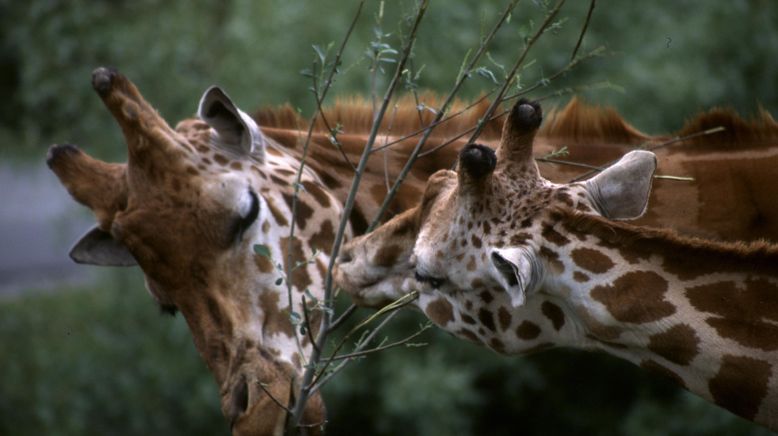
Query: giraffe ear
[97, 247]
[621, 190]
[517, 269]
[236, 131]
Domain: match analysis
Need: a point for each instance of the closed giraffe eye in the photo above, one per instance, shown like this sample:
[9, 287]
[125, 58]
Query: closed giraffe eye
[245, 221]
[435, 282]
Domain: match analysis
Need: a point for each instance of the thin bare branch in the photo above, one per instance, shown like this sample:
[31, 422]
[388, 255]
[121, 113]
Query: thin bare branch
[382, 347]
[583, 30]
[710, 131]
[306, 383]
[343, 317]
[440, 114]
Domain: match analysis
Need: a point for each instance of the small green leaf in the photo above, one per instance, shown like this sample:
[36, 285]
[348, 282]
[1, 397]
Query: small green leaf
[262, 250]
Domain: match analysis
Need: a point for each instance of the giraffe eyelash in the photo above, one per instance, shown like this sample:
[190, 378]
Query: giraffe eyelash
[245, 222]
[435, 282]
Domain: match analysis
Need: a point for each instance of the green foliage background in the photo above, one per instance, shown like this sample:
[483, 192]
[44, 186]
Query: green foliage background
[100, 360]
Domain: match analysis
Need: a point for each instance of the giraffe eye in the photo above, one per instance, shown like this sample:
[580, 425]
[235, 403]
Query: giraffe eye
[244, 222]
[435, 282]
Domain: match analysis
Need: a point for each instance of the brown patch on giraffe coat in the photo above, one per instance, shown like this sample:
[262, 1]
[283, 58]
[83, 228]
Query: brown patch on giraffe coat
[592, 260]
[277, 214]
[293, 254]
[553, 313]
[527, 330]
[303, 212]
[276, 321]
[580, 277]
[263, 263]
[678, 344]
[387, 255]
[554, 237]
[440, 311]
[504, 317]
[486, 317]
[497, 345]
[221, 159]
[662, 370]
[746, 314]
[279, 181]
[322, 240]
[238, 166]
[318, 194]
[636, 297]
[741, 384]
[476, 241]
[467, 334]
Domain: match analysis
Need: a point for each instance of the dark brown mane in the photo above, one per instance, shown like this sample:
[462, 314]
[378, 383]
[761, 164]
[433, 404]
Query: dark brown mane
[761, 129]
[685, 252]
[355, 116]
[587, 124]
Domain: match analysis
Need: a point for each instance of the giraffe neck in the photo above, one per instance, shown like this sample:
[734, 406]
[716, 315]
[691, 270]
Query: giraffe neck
[700, 312]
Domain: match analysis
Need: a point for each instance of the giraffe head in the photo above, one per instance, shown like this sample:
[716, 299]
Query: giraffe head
[189, 207]
[474, 246]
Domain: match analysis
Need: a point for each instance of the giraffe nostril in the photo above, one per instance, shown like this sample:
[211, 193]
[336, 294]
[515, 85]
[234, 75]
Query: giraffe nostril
[345, 257]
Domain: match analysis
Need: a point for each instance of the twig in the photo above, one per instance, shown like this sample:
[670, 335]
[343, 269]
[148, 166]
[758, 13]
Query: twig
[512, 74]
[382, 347]
[343, 317]
[567, 162]
[441, 112]
[308, 375]
[679, 178]
[663, 144]
[307, 321]
[583, 31]
[275, 400]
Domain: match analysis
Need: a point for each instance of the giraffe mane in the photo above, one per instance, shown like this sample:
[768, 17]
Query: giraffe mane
[758, 254]
[584, 123]
[355, 116]
[759, 129]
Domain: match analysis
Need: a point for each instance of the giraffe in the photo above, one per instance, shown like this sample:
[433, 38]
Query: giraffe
[730, 194]
[192, 203]
[504, 258]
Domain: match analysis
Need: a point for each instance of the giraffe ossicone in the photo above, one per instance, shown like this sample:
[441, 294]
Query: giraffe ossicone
[514, 262]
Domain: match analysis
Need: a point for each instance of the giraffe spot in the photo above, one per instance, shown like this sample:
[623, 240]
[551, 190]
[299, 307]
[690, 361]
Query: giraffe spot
[527, 330]
[322, 240]
[476, 241]
[236, 166]
[636, 297]
[497, 345]
[471, 263]
[678, 344]
[276, 321]
[318, 194]
[263, 263]
[378, 192]
[220, 159]
[662, 370]
[486, 318]
[303, 212]
[329, 181]
[592, 260]
[741, 384]
[440, 311]
[293, 254]
[467, 334]
[278, 181]
[486, 297]
[520, 238]
[553, 313]
[504, 317]
[387, 255]
[277, 214]
[265, 226]
[321, 268]
[285, 172]
[746, 314]
[580, 277]
[476, 284]
[358, 220]
[554, 237]
[467, 319]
